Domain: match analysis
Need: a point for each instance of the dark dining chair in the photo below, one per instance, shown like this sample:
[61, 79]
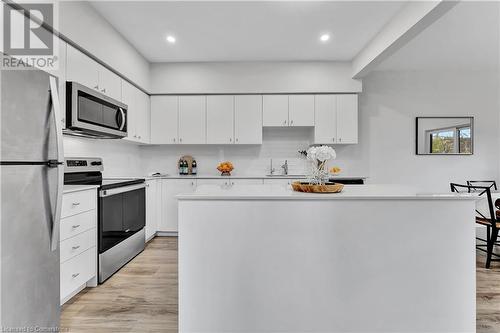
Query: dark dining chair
[491, 222]
[490, 183]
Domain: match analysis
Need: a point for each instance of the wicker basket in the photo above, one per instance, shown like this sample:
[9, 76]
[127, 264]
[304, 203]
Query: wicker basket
[310, 188]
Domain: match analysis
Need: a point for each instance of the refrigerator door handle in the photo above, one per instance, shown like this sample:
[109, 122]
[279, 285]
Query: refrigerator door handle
[56, 113]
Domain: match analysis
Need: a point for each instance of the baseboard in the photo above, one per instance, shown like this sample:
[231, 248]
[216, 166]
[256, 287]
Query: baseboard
[166, 233]
[73, 293]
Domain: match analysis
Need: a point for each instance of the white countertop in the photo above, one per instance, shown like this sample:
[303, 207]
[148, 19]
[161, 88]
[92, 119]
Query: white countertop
[76, 188]
[205, 176]
[277, 192]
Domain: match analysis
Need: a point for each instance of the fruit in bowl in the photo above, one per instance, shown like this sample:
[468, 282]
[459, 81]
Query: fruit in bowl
[225, 168]
[335, 170]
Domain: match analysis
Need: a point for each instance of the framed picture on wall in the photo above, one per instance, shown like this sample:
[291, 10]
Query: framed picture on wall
[444, 135]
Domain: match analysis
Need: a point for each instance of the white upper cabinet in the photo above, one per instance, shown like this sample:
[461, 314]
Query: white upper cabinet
[128, 94]
[347, 118]
[325, 130]
[84, 70]
[336, 119]
[110, 84]
[192, 119]
[138, 113]
[81, 69]
[144, 119]
[248, 119]
[164, 119]
[301, 110]
[220, 119]
[275, 110]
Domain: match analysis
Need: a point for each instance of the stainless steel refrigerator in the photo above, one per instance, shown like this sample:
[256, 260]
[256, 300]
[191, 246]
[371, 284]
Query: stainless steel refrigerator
[31, 193]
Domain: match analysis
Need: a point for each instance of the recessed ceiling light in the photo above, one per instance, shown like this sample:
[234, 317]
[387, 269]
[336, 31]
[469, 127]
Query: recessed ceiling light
[324, 37]
[171, 39]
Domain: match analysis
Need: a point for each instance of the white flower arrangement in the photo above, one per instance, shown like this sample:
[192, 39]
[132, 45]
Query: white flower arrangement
[319, 156]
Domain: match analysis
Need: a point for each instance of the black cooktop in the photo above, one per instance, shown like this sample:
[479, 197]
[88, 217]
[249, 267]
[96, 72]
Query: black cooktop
[107, 184]
[95, 178]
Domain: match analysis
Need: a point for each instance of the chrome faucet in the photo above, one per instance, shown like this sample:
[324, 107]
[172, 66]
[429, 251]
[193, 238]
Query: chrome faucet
[285, 168]
[271, 169]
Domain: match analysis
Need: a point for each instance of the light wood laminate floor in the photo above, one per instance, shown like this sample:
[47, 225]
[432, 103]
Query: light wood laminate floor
[142, 296]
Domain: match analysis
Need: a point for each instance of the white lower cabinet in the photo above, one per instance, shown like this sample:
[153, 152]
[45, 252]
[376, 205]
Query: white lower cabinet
[255, 181]
[153, 207]
[78, 242]
[279, 182]
[218, 182]
[169, 189]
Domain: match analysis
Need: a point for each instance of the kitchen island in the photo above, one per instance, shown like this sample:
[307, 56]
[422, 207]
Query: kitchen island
[370, 259]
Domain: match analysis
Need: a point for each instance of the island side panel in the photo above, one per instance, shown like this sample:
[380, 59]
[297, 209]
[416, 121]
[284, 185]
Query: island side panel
[326, 265]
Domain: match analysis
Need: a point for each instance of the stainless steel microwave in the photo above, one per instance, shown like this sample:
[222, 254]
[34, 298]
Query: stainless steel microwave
[92, 114]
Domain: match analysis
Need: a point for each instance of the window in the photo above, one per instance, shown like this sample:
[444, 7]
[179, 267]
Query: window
[451, 140]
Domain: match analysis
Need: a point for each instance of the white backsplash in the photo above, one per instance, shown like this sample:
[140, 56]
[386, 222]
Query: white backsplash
[123, 158]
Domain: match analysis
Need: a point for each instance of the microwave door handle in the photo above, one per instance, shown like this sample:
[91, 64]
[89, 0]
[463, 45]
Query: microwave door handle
[123, 119]
[56, 115]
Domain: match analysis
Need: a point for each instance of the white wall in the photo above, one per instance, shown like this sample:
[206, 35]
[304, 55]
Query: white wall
[252, 77]
[388, 107]
[121, 158]
[386, 150]
[80, 22]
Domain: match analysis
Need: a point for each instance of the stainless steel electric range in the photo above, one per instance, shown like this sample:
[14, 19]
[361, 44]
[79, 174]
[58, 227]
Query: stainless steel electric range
[122, 213]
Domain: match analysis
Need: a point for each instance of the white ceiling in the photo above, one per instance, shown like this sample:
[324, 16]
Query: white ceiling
[247, 31]
[467, 37]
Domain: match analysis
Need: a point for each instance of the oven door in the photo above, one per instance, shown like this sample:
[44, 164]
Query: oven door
[93, 113]
[122, 213]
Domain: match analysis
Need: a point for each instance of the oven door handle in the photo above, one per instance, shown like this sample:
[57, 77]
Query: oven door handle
[118, 190]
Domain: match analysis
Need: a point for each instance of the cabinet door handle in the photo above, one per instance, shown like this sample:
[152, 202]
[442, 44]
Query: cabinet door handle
[333, 140]
[340, 139]
[284, 123]
[291, 122]
[103, 90]
[140, 137]
[230, 140]
[192, 183]
[174, 139]
[76, 247]
[75, 226]
[75, 275]
[76, 204]
[96, 87]
[180, 139]
[236, 139]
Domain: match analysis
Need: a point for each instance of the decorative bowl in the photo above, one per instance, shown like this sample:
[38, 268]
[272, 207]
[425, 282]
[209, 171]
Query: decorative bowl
[316, 188]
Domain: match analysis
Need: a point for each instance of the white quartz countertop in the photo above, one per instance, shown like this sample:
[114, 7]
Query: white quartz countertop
[76, 188]
[278, 192]
[204, 176]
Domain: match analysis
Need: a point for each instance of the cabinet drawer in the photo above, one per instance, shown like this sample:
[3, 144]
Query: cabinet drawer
[78, 202]
[75, 245]
[77, 271]
[76, 224]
